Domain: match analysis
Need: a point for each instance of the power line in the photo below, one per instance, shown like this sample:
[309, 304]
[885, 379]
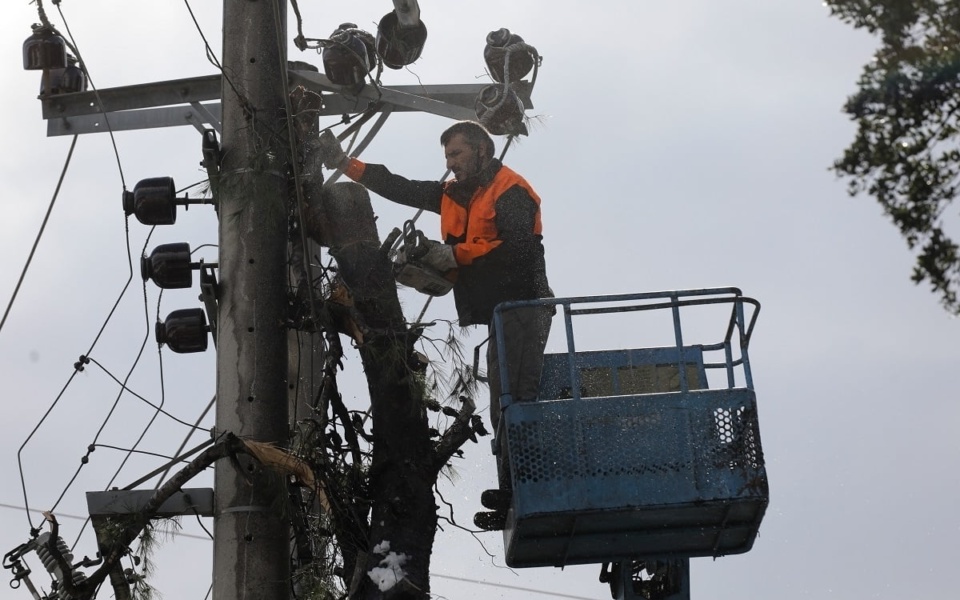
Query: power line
[142, 399]
[79, 518]
[511, 587]
[96, 92]
[43, 226]
[136, 361]
[77, 367]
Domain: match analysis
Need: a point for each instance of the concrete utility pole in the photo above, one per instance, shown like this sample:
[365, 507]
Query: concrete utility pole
[251, 540]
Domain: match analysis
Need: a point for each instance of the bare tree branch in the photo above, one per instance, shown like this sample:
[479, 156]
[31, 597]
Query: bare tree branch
[227, 445]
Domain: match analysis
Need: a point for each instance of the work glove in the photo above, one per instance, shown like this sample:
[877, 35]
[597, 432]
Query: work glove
[433, 254]
[330, 150]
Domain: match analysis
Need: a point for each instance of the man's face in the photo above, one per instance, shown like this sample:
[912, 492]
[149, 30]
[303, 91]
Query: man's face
[462, 160]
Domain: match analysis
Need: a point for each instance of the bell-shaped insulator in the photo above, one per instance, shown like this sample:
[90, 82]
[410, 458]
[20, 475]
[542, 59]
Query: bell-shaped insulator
[153, 201]
[73, 79]
[500, 110]
[44, 50]
[350, 56]
[503, 58]
[68, 80]
[397, 45]
[168, 266]
[184, 331]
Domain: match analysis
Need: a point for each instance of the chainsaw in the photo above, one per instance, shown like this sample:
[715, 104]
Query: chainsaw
[408, 270]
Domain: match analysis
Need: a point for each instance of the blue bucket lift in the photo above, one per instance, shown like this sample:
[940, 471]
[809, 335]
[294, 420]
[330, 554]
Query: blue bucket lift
[628, 457]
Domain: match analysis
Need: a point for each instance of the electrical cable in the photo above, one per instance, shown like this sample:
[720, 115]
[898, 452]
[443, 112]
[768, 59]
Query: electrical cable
[183, 444]
[177, 458]
[141, 398]
[143, 345]
[211, 55]
[77, 367]
[510, 587]
[43, 225]
[83, 65]
[295, 164]
[299, 41]
[86, 458]
[307, 265]
[213, 60]
[116, 402]
[80, 518]
[202, 526]
[134, 451]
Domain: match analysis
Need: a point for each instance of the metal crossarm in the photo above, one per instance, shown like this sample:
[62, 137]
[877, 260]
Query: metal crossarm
[195, 101]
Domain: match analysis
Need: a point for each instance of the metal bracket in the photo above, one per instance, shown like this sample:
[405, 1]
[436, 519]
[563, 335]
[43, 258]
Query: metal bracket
[648, 579]
[188, 501]
[211, 162]
[209, 294]
[196, 102]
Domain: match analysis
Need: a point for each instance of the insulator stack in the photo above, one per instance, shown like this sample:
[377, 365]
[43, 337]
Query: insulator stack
[50, 557]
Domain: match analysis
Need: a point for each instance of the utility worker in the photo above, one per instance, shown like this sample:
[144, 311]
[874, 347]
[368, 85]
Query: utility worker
[491, 234]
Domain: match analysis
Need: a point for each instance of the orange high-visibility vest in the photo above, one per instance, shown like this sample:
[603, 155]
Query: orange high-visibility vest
[473, 228]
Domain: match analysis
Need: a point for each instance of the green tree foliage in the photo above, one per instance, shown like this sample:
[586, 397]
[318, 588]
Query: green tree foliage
[905, 153]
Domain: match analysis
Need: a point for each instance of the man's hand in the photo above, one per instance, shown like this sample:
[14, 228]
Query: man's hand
[436, 255]
[331, 151]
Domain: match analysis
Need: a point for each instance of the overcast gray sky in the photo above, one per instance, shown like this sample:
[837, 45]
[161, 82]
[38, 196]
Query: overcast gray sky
[677, 145]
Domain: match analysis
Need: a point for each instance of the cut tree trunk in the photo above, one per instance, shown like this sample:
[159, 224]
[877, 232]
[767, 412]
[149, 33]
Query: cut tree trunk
[403, 519]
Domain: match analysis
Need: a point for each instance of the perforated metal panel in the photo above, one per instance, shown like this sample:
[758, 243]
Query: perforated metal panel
[602, 479]
[610, 439]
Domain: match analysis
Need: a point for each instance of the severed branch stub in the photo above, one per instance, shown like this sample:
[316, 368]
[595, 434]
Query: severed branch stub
[456, 435]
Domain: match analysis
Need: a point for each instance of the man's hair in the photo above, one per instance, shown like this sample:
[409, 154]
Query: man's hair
[474, 134]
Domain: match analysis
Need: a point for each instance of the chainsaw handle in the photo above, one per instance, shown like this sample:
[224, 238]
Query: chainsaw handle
[415, 243]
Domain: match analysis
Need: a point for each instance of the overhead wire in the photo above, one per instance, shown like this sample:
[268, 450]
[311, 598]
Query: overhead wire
[85, 460]
[84, 359]
[83, 65]
[71, 42]
[133, 451]
[213, 60]
[295, 164]
[141, 398]
[78, 367]
[511, 587]
[61, 515]
[43, 226]
[211, 55]
[159, 408]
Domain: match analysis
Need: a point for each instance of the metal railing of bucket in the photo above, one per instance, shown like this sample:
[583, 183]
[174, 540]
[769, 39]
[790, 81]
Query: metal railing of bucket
[738, 323]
